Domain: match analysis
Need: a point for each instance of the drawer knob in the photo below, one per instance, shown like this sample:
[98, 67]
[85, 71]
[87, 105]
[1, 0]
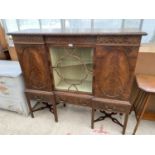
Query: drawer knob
[70, 45]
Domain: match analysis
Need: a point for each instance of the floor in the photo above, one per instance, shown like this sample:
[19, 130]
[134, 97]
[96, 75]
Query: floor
[73, 120]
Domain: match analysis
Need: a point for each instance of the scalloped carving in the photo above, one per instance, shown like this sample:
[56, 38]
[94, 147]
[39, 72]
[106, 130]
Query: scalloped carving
[119, 40]
[70, 39]
[28, 39]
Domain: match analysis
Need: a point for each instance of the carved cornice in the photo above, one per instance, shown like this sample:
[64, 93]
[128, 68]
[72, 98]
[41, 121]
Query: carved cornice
[119, 40]
[70, 40]
[28, 39]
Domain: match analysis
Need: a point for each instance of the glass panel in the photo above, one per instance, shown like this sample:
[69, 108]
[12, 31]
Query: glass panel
[78, 23]
[132, 23]
[29, 24]
[149, 27]
[107, 23]
[50, 23]
[72, 68]
[11, 25]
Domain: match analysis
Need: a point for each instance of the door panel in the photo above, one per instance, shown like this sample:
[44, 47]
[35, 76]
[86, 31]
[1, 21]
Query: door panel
[35, 67]
[114, 71]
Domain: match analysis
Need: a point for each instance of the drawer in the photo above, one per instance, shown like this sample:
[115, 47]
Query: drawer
[111, 105]
[40, 97]
[70, 40]
[77, 99]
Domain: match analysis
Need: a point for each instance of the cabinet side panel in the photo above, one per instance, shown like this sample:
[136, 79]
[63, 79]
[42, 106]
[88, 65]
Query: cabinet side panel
[34, 63]
[114, 71]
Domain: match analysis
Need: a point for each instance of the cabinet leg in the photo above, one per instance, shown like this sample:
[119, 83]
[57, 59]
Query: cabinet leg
[55, 113]
[54, 109]
[92, 118]
[29, 105]
[125, 123]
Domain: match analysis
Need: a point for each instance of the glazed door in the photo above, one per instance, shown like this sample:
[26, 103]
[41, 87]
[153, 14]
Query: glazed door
[114, 71]
[35, 66]
[72, 68]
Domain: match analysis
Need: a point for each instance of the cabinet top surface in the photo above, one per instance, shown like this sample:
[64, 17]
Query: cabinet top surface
[78, 32]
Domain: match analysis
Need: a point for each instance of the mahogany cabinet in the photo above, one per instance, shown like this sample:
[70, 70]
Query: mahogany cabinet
[94, 69]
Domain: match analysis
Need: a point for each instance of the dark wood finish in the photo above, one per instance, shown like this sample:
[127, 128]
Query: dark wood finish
[114, 71]
[29, 105]
[41, 96]
[119, 40]
[111, 105]
[28, 39]
[75, 40]
[35, 67]
[92, 118]
[77, 99]
[114, 60]
[34, 60]
[108, 107]
[125, 123]
[108, 115]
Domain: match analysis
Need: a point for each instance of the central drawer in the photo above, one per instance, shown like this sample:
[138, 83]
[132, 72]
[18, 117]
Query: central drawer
[72, 98]
[70, 40]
